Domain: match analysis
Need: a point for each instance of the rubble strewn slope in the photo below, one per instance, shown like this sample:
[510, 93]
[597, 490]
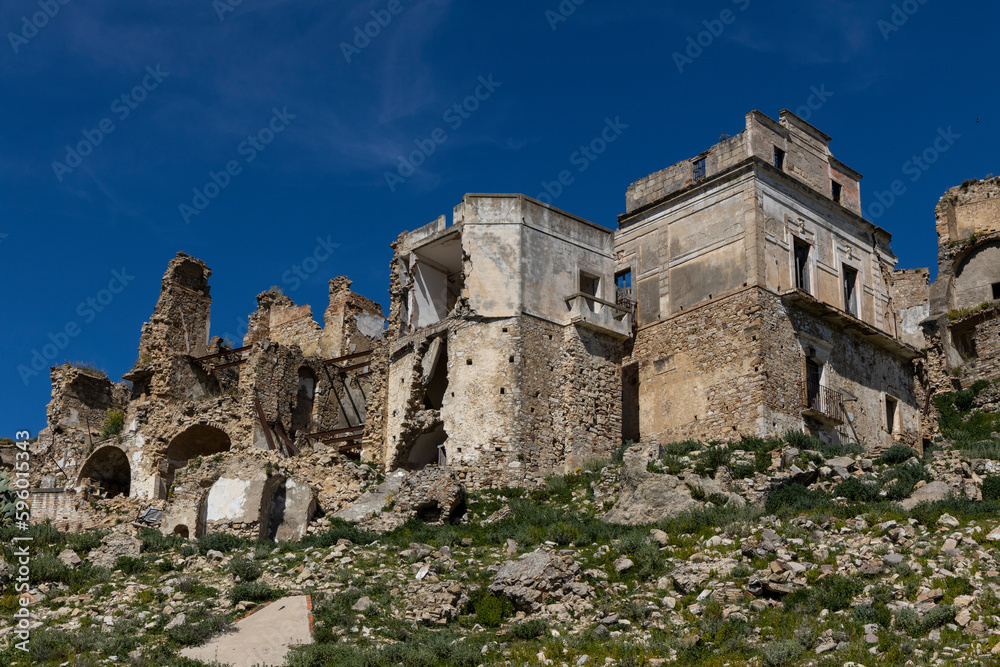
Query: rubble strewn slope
[780, 552]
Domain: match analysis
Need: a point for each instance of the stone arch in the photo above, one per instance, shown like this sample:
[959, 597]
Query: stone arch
[195, 440]
[976, 272]
[181, 530]
[110, 468]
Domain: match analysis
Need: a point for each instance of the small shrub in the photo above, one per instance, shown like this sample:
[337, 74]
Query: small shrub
[714, 458]
[795, 498]
[222, 542]
[873, 613]
[529, 630]
[188, 550]
[991, 488]
[490, 609]
[114, 423]
[130, 565]
[908, 620]
[897, 454]
[800, 440]
[618, 456]
[256, 591]
[780, 653]
[245, 569]
[857, 491]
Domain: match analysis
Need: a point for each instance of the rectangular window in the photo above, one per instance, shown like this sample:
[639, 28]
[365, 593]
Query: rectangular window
[589, 285]
[802, 265]
[779, 158]
[699, 169]
[891, 405]
[838, 189]
[851, 290]
[624, 294]
[996, 291]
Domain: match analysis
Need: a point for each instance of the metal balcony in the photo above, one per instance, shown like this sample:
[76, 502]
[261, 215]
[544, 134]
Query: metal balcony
[822, 403]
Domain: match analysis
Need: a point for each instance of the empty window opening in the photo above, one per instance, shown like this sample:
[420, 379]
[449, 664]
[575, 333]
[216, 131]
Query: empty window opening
[851, 290]
[502, 391]
[468, 362]
[437, 280]
[505, 329]
[589, 285]
[802, 265]
[891, 406]
[624, 292]
[436, 374]
[304, 401]
[182, 531]
[996, 291]
[779, 158]
[699, 169]
[838, 189]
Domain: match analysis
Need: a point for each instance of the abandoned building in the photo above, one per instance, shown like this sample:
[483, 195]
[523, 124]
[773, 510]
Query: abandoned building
[504, 344]
[763, 297]
[957, 317]
[742, 294]
[196, 411]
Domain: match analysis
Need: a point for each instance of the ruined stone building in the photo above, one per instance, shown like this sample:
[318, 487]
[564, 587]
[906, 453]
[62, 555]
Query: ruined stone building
[957, 317]
[200, 418]
[504, 345]
[742, 294]
[763, 297]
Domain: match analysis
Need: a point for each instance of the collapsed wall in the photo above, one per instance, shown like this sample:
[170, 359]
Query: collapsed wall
[497, 363]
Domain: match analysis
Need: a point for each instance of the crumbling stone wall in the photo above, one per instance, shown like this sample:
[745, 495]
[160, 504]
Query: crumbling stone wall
[911, 300]
[81, 401]
[735, 367]
[180, 321]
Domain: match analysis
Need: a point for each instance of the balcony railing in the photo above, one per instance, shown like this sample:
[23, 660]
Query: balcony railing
[625, 298]
[822, 402]
[592, 312]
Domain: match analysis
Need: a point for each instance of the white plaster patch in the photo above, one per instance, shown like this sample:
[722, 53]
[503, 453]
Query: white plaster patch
[227, 499]
[370, 325]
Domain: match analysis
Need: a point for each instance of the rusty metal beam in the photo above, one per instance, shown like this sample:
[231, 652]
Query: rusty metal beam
[356, 355]
[222, 354]
[336, 431]
[354, 367]
[263, 422]
[235, 363]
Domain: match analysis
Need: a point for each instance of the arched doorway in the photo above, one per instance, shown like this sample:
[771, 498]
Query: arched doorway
[197, 440]
[109, 469]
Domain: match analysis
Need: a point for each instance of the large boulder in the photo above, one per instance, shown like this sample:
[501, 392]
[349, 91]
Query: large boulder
[648, 497]
[928, 493]
[113, 547]
[372, 502]
[535, 578]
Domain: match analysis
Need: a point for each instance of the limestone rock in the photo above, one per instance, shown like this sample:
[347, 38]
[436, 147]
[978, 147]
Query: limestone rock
[537, 576]
[928, 493]
[648, 497]
[114, 546]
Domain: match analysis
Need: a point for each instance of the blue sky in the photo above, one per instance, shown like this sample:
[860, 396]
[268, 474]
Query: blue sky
[152, 99]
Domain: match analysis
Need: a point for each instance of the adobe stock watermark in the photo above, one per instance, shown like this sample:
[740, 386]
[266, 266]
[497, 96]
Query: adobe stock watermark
[30, 25]
[225, 7]
[122, 107]
[817, 98]
[87, 310]
[562, 12]
[249, 149]
[20, 566]
[364, 34]
[697, 44]
[581, 159]
[454, 117]
[293, 278]
[914, 168]
[900, 15]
